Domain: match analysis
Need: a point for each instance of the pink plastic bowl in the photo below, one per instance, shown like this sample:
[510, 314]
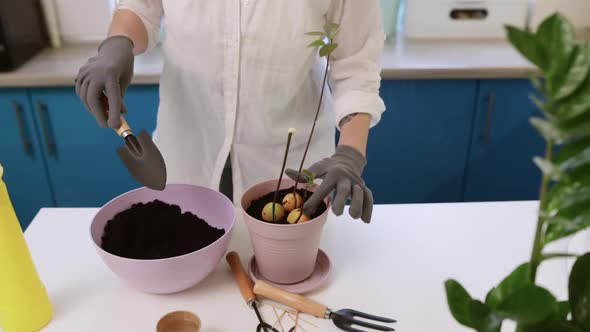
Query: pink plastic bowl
[175, 274]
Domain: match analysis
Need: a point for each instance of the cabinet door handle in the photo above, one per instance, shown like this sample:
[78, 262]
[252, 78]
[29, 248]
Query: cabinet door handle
[22, 127]
[46, 127]
[491, 105]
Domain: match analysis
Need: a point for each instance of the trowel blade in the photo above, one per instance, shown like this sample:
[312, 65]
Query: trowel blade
[144, 161]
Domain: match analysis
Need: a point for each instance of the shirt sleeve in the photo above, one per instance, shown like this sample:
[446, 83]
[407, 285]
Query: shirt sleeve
[150, 12]
[355, 73]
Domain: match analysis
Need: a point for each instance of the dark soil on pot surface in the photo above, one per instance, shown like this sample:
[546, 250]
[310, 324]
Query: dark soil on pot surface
[255, 208]
[157, 230]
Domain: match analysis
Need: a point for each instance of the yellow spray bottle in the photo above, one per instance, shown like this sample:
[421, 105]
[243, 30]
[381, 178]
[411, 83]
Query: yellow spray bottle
[24, 304]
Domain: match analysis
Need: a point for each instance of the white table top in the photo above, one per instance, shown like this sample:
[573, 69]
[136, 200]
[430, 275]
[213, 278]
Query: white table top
[395, 266]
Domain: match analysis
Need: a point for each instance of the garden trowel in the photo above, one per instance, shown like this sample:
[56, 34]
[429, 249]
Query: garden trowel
[140, 155]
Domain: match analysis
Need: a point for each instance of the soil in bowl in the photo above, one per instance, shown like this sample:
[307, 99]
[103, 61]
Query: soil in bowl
[256, 206]
[156, 230]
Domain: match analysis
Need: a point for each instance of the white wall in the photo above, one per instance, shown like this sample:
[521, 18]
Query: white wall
[578, 11]
[83, 20]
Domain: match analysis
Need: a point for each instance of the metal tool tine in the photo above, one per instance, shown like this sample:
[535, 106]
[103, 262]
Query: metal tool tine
[370, 325]
[371, 317]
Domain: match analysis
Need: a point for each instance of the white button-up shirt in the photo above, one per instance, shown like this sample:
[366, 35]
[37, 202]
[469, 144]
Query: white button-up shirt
[237, 74]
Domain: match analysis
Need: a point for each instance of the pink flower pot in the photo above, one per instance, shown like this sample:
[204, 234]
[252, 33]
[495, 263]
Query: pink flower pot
[285, 254]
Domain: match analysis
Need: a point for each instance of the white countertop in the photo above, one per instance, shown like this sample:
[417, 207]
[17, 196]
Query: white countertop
[396, 266]
[401, 59]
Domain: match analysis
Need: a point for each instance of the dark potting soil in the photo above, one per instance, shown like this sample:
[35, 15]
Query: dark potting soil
[157, 230]
[255, 209]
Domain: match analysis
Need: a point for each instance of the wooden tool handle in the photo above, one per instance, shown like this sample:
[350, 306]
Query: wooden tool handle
[124, 125]
[243, 280]
[295, 301]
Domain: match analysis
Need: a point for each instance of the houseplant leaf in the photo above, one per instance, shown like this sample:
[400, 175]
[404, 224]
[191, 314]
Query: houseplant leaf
[529, 46]
[548, 130]
[528, 305]
[575, 106]
[580, 159]
[327, 49]
[316, 43]
[577, 74]
[578, 221]
[548, 168]
[459, 303]
[518, 279]
[564, 197]
[483, 318]
[562, 311]
[572, 149]
[331, 30]
[557, 34]
[579, 291]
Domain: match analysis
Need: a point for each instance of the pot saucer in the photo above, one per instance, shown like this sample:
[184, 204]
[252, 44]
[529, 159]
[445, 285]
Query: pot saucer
[317, 279]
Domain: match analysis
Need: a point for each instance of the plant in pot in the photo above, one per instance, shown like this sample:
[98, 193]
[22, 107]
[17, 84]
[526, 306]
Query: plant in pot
[564, 196]
[284, 239]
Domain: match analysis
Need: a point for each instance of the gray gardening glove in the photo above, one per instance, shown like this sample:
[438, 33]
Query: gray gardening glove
[341, 172]
[109, 71]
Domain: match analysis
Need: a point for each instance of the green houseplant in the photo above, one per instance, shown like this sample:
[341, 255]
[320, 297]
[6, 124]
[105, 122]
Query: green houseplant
[564, 196]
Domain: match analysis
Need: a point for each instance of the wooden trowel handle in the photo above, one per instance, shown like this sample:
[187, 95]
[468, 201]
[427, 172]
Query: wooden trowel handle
[243, 280]
[124, 125]
[295, 301]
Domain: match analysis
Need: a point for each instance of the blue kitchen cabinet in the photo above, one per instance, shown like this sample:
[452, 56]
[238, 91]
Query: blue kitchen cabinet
[503, 144]
[25, 171]
[418, 152]
[83, 165]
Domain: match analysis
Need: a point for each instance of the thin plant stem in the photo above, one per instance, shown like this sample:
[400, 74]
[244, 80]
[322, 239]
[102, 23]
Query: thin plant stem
[537, 253]
[276, 195]
[317, 112]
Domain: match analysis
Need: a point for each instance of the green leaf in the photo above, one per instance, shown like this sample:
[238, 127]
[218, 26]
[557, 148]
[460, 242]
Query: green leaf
[316, 43]
[331, 29]
[539, 84]
[558, 36]
[459, 303]
[552, 326]
[548, 130]
[576, 75]
[528, 305]
[327, 49]
[309, 176]
[557, 33]
[529, 46]
[579, 291]
[562, 226]
[316, 33]
[564, 197]
[563, 310]
[483, 318]
[518, 279]
[576, 161]
[571, 150]
[575, 106]
[548, 168]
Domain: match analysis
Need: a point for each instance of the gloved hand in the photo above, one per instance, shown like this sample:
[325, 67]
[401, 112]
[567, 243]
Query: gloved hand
[110, 71]
[341, 172]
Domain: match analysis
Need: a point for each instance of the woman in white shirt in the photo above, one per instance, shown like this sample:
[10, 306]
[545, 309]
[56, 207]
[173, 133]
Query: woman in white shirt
[237, 74]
